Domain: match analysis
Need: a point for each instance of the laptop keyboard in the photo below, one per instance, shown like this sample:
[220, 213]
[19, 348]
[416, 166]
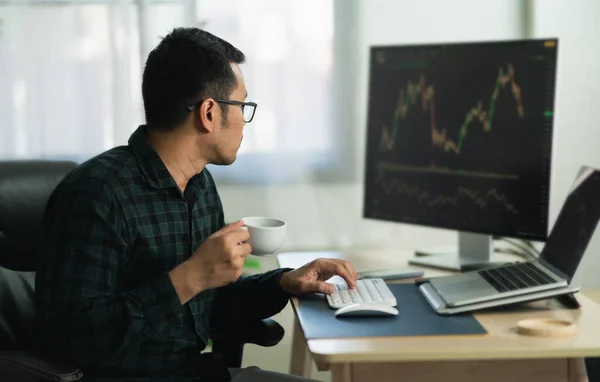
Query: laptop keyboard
[515, 276]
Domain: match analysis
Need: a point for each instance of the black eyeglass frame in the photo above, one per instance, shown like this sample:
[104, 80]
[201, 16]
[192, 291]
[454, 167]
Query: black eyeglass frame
[231, 102]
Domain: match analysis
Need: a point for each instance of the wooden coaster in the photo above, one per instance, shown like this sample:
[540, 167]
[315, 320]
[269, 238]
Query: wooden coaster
[543, 327]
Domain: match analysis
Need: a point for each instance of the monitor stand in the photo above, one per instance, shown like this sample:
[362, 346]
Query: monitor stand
[475, 251]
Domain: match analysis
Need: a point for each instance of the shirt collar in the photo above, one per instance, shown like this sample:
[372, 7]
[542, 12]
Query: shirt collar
[152, 166]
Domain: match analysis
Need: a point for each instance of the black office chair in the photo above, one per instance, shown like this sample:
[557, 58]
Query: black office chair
[25, 187]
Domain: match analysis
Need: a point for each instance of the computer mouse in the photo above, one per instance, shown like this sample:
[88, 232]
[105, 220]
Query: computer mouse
[366, 310]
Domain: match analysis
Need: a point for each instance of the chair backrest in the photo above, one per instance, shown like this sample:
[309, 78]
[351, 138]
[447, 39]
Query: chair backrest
[25, 187]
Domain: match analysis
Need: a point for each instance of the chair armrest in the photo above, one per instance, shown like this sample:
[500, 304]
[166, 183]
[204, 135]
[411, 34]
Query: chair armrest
[265, 333]
[228, 342]
[29, 368]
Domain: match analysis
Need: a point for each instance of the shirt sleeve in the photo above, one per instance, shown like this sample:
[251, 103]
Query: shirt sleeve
[83, 313]
[252, 297]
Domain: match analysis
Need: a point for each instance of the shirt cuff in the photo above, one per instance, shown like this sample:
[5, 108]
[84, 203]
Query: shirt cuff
[278, 293]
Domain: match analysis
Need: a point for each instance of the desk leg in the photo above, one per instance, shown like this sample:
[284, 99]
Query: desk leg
[577, 371]
[301, 363]
[342, 373]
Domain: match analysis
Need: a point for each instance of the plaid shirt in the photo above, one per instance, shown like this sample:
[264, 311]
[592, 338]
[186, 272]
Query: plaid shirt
[113, 229]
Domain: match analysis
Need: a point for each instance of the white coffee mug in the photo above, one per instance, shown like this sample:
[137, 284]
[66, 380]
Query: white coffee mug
[267, 235]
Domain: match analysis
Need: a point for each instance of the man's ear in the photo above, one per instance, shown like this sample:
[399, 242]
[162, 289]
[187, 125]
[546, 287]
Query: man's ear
[206, 113]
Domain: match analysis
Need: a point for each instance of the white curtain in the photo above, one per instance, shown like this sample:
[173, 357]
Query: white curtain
[70, 87]
[70, 78]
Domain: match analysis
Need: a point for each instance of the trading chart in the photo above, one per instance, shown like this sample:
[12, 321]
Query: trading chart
[461, 131]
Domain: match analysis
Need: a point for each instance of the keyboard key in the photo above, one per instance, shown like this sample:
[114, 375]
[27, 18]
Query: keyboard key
[375, 295]
[355, 295]
[364, 292]
[383, 290]
[345, 296]
[367, 290]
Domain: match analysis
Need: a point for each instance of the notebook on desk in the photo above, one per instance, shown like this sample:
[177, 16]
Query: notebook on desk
[548, 276]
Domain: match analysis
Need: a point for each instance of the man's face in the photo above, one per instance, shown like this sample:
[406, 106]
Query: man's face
[228, 137]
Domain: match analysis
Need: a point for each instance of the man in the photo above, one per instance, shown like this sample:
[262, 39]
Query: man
[138, 263]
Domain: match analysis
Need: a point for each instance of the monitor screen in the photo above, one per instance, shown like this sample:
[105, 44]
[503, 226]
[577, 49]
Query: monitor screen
[459, 136]
[575, 225]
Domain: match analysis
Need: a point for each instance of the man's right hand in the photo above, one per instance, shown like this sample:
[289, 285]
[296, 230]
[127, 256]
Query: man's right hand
[217, 262]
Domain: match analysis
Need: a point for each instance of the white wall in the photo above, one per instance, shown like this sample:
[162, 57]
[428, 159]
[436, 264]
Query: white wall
[577, 116]
[325, 216]
[329, 216]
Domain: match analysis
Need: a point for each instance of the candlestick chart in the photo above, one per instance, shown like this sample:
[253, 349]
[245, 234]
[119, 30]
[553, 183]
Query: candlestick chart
[461, 131]
[422, 95]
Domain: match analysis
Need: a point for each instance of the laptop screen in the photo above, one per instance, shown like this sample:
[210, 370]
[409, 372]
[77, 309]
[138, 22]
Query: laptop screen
[574, 226]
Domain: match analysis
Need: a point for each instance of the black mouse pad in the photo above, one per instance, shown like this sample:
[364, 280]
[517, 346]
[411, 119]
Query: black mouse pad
[415, 318]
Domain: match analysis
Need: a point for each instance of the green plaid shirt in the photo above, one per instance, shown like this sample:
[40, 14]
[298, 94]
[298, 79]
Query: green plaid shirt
[113, 228]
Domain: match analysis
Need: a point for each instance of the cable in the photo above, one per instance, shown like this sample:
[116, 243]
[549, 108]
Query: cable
[528, 247]
[525, 251]
[532, 253]
[530, 244]
[532, 248]
[511, 251]
[524, 255]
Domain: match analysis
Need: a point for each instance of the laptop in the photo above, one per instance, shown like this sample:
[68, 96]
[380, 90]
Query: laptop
[549, 275]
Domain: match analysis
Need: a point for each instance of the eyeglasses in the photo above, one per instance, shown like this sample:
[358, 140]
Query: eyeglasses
[248, 108]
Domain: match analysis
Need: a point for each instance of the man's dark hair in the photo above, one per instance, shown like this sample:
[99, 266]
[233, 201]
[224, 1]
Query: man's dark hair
[188, 66]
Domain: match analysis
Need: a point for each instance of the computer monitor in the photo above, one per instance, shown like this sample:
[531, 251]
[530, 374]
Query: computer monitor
[459, 137]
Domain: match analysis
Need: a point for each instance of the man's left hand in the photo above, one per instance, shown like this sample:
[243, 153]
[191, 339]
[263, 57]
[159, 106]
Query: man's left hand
[311, 277]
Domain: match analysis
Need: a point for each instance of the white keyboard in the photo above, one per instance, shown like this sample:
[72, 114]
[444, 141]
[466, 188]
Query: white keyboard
[367, 290]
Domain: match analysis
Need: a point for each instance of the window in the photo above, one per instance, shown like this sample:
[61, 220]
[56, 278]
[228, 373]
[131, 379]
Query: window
[70, 78]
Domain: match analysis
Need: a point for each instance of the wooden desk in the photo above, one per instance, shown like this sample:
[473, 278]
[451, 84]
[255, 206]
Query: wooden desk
[502, 355]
